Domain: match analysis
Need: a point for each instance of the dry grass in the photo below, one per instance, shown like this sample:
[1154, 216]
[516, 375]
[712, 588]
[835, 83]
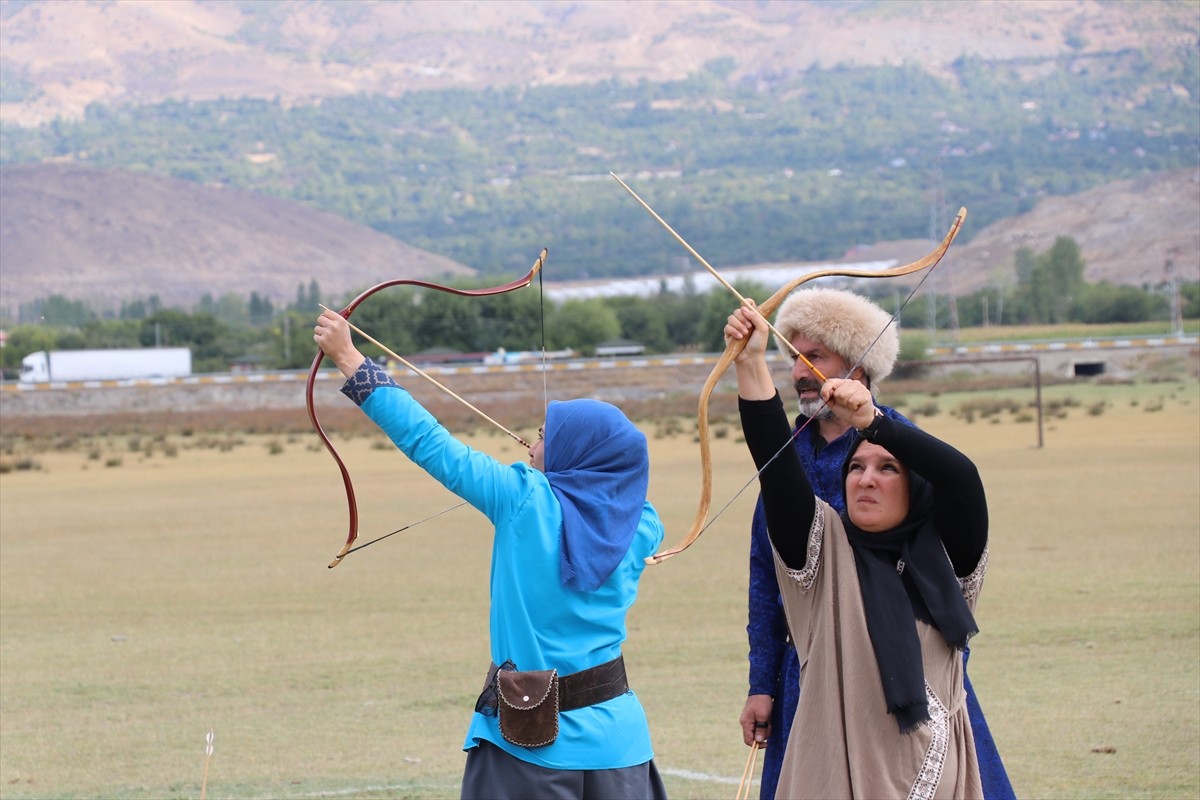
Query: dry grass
[145, 603]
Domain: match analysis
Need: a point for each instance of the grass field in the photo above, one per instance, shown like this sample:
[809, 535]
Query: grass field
[152, 590]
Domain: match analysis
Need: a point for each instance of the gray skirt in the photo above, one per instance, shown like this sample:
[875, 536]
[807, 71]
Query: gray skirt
[493, 774]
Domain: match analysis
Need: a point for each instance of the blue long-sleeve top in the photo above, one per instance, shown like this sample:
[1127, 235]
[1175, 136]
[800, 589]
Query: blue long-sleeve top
[535, 621]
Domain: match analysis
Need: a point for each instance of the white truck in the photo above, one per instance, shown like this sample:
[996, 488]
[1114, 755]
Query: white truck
[106, 365]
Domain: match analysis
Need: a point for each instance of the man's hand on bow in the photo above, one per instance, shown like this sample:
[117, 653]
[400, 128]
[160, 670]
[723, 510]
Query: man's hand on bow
[756, 719]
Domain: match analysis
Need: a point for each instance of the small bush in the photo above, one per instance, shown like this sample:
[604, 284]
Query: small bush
[986, 407]
[928, 409]
[669, 427]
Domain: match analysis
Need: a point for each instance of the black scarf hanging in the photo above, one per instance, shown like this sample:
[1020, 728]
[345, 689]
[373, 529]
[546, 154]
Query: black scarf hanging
[926, 589]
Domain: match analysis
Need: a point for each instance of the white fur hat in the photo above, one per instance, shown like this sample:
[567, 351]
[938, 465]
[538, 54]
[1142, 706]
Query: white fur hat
[845, 323]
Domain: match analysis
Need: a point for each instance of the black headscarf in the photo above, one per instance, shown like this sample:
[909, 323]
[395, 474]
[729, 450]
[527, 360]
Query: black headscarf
[905, 574]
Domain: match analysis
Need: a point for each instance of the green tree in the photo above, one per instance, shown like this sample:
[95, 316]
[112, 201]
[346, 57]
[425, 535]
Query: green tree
[118, 333]
[26, 339]
[290, 344]
[393, 316]
[232, 310]
[719, 304]
[57, 310]
[202, 333]
[1046, 290]
[261, 310]
[1103, 302]
[581, 325]
[308, 298]
[681, 313]
[1063, 267]
[641, 322]
[1189, 298]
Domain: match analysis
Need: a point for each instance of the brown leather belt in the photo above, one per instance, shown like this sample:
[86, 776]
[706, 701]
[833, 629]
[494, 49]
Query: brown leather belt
[577, 690]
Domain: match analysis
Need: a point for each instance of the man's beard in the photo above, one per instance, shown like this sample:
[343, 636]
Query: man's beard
[813, 409]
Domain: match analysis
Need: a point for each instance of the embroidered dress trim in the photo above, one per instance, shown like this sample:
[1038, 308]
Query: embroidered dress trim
[930, 774]
[369, 377]
[972, 583]
[812, 563]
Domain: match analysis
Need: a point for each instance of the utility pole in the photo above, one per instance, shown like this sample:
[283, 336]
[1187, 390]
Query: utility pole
[1176, 306]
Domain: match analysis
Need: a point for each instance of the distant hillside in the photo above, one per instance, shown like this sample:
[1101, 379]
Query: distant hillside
[1127, 232]
[107, 236]
[110, 236]
[764, 131]
[60, 56]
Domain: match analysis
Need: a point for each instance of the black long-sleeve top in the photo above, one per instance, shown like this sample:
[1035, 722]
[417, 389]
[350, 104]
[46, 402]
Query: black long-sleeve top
[959, 506]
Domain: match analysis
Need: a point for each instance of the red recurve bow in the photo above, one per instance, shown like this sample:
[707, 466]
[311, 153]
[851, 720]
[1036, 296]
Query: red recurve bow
[351, 503]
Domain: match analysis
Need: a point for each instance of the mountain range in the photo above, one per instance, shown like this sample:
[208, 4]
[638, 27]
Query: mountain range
[106, 235]
[58, 57]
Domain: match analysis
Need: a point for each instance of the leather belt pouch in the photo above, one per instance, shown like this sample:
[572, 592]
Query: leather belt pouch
[528, 706]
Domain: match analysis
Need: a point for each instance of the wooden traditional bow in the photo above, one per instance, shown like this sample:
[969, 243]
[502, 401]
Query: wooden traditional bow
[735, 346]
[351, 503]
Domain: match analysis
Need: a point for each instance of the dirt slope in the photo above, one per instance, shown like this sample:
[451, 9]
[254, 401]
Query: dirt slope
[1127, 232]
[108, 236]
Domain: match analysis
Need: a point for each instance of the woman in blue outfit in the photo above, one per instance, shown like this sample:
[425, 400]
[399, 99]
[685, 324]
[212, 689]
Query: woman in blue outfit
[556, 718]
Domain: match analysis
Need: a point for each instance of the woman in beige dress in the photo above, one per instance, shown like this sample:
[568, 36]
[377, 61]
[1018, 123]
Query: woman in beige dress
[879, 601]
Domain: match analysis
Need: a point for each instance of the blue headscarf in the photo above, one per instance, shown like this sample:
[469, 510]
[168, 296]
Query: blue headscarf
[598, 465]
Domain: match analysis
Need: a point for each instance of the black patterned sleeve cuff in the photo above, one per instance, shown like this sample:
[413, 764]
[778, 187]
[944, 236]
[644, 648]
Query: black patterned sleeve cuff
[369, 377]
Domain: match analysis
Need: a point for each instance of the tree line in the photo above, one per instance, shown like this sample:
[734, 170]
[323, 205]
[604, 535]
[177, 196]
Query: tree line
[221, 332]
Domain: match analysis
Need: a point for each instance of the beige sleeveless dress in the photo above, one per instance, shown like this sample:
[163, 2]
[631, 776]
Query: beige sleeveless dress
[843, 743]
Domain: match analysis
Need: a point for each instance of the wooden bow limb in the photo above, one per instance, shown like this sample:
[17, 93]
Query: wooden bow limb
[735, 346]
[310, 403]
[720, 278]
[422, 373]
